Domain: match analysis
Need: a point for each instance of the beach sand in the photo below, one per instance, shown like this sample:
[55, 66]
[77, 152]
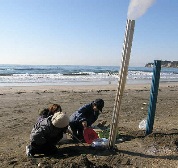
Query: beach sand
[19, 110]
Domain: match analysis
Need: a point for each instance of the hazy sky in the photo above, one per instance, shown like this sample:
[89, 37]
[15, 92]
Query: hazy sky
[85, 32]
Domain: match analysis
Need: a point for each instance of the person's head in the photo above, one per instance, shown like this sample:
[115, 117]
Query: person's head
[98, 105]
[60, 120]
[54, 108]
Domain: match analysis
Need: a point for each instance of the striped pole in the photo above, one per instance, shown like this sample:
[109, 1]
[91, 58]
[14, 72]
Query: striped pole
[122, 80]
[153, 96]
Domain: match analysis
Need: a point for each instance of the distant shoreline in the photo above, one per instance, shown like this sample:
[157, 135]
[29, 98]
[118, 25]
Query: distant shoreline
[165, 64]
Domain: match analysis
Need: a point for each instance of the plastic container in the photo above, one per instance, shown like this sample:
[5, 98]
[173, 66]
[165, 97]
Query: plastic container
[142, 124]
[100, 143]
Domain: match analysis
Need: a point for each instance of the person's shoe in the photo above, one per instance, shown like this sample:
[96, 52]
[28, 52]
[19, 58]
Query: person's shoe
[28, 153]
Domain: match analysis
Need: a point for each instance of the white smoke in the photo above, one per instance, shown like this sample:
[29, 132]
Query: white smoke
[138, 7]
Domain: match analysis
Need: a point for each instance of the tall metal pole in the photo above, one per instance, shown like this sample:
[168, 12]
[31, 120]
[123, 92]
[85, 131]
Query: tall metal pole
[122, 80]
[153, 96]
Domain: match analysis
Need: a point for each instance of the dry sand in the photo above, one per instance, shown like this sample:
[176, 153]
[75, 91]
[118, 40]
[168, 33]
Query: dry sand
[19, 110]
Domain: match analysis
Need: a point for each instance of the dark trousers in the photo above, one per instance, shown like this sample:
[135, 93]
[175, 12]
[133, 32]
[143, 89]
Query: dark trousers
[42, 149]
[77, 130]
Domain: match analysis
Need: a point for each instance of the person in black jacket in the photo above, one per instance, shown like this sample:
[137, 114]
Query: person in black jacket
[46, 134]
[85, 117]
[51, 110]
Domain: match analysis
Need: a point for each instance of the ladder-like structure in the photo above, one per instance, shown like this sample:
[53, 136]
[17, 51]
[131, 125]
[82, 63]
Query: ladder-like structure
[122, 80]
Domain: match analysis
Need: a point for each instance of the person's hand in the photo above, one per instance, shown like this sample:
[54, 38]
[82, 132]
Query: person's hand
[84, 123]
[68, 131]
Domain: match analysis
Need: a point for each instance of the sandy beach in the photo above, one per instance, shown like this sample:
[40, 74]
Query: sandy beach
[19, 110]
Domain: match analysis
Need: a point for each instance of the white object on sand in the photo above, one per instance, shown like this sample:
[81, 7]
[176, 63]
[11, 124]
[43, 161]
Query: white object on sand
[142, 124]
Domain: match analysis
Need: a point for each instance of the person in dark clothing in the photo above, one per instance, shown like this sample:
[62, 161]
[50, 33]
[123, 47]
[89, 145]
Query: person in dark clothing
[45, 113]
[46, 134]
[85, 117]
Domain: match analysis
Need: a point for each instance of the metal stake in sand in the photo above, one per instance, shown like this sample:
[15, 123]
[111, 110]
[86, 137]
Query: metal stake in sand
[122, 80]
[153, 96]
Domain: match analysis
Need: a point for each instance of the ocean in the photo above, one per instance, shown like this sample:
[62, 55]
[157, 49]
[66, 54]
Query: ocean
[35, 75]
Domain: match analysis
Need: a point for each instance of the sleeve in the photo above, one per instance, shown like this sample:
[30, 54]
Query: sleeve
[55, 140]
[59, 135]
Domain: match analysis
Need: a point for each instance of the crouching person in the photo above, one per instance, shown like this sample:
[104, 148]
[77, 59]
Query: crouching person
[46, 134]
[84, 117]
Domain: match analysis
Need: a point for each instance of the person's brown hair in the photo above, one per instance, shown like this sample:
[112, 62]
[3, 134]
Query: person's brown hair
[54, 108]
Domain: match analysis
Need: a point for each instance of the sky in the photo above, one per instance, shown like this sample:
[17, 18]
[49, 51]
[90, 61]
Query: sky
[85, 32]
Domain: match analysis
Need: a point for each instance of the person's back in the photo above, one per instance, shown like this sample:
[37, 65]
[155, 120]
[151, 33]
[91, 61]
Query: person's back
[46, 129]
[85, 113]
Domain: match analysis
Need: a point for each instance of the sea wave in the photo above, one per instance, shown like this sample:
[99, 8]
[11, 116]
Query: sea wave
[59, 75]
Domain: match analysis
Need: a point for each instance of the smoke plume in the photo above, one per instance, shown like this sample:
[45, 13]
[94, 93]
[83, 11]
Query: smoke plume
[138, 7]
